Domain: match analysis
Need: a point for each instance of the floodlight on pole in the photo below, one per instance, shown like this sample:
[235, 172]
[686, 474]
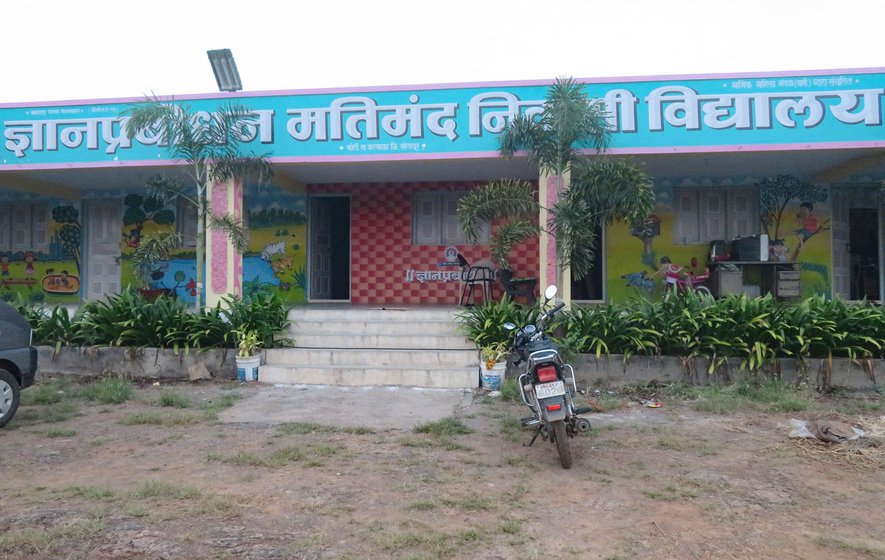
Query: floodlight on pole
[225, 69]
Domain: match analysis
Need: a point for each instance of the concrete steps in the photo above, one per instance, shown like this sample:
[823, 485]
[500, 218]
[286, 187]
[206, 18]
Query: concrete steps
[352, 345]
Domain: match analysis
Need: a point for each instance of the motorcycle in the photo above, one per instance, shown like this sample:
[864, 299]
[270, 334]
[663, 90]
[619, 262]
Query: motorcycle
[547, 385]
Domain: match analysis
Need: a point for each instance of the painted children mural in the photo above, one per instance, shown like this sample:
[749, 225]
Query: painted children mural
[49, 245]
[809, 226]
[793, 213]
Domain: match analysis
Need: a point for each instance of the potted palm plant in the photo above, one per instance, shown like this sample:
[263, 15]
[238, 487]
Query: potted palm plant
[248, 357]
[493, 364]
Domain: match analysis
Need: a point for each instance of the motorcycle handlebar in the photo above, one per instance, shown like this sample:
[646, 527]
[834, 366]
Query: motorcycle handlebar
[552, 312]
[522, 337]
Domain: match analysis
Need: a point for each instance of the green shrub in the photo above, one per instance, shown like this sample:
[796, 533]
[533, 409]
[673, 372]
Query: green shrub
[614, 329]
[127, 319]
[754, 330]
[484, 324]
[264, 311]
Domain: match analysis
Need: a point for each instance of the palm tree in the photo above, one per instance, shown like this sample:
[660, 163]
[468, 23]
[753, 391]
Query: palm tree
[212, 146]
[592, 192]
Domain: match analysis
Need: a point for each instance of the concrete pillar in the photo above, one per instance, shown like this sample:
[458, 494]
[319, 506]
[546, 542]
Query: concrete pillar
[224, 266]
[550, 187]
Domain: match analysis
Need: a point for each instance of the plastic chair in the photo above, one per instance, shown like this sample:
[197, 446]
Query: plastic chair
[481, 275]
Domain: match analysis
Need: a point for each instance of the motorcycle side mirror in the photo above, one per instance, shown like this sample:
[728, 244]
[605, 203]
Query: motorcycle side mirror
[550, 292]
[509, 326]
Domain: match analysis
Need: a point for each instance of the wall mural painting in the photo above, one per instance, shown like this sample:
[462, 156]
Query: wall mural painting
[794, 214]
[277, 254]
[48, 269]
[146, 216]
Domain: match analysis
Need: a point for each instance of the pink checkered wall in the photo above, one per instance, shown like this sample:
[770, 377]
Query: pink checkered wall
[382, 250]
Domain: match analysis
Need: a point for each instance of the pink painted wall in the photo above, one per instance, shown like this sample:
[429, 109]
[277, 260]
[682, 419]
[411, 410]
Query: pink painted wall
[382, 250]
[218, 274]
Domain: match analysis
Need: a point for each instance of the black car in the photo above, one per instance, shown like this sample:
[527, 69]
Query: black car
[18, 360]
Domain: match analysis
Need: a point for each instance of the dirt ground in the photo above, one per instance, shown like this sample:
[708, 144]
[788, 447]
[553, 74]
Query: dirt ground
[142, 481]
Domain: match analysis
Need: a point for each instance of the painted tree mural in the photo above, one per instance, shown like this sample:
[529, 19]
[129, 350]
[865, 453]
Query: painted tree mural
[776, 195]
[69, 232]
[140, 210]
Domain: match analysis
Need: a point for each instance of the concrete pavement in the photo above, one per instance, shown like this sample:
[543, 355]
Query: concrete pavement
[377, 408]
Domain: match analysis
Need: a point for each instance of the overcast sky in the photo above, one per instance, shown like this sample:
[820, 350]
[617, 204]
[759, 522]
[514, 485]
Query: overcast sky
[87, 49]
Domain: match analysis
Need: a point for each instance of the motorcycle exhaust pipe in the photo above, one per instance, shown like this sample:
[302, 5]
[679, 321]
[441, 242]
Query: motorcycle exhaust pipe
[582, 424]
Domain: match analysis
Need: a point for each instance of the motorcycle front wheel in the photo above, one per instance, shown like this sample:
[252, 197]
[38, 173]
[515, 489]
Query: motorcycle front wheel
[561, 439]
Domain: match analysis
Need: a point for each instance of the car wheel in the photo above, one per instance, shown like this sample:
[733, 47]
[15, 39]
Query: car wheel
[10, 393]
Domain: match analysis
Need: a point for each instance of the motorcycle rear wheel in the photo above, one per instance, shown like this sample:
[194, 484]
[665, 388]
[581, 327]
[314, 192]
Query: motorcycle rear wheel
[562, 446]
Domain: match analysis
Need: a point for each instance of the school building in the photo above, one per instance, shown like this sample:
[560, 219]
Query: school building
[361, 208]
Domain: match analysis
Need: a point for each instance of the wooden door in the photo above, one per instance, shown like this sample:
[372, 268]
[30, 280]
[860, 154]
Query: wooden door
[103, 230]
[320, 250]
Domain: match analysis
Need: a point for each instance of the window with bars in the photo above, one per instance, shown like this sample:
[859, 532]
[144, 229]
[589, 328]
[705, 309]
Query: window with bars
[704, 214]
[435, 220]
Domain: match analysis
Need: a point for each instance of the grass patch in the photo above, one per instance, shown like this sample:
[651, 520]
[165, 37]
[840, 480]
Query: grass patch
[671, 493]
[47, 393]
[92, 493]
[291, 428]
[443, 432]
[873, 549]
[471, 503]
[470, 535]
[716, 400]
[109, 390]
[511, 526]
[137, 510]
[211, 408]
[772, 396]
[668, 441]
[43, 542]
[159, 489]
[707, 449]
[518, 492]
[279, 458]
[415, 442]
[446, 427]
[159, 419]
[510, 391]
[173, 399]
[61, 411]
[298, 428]
[422, 505]
[775, 396]
[422, 544]
[511, 429]
[608, 401]
[224, 506]
[57, 433]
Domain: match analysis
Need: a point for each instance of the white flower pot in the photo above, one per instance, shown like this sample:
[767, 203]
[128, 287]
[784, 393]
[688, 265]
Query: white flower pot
[247, 368]
[491, 378]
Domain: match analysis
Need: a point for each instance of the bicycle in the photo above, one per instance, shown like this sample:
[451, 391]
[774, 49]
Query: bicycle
[689, 283]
